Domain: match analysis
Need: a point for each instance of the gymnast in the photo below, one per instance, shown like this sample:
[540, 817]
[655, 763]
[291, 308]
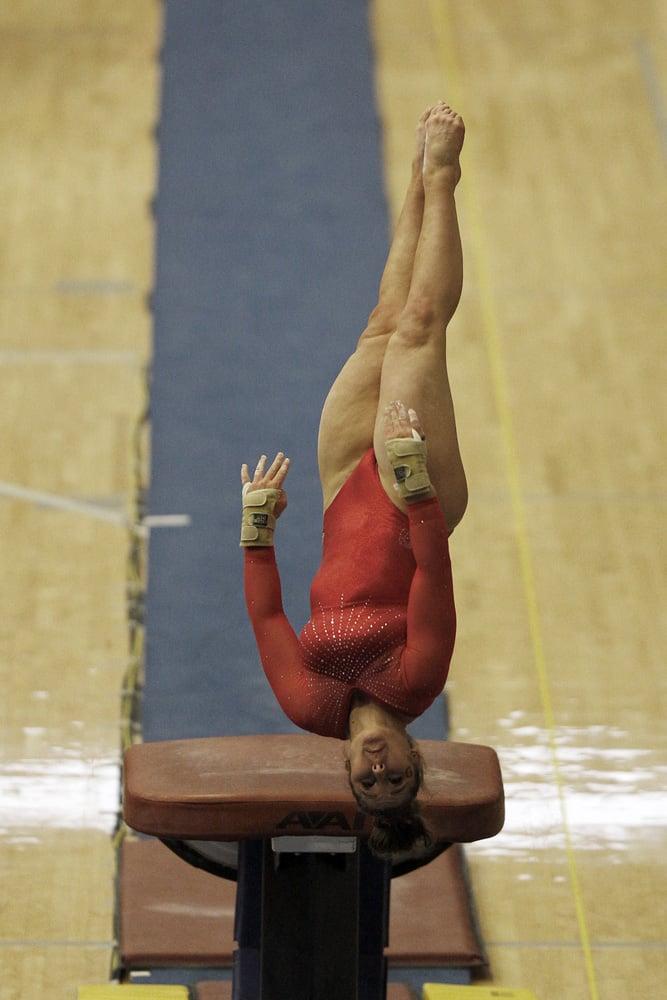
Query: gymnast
[375, 652]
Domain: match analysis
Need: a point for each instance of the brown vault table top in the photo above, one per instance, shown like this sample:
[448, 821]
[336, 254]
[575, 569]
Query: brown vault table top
[239, 787]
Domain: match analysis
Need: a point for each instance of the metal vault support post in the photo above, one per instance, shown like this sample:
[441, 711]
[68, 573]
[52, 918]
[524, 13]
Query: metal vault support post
[312, 921]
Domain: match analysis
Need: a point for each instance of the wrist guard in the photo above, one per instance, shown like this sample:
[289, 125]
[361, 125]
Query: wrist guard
[258, 519]
[408, 460]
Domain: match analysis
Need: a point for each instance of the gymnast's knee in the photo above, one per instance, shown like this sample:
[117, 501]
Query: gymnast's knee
[419, 324]
[381, 322]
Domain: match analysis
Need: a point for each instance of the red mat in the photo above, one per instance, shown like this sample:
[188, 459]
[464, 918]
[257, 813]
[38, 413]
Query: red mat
[172, 914]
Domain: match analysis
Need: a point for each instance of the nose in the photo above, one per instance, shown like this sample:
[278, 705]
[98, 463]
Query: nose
[377, 768]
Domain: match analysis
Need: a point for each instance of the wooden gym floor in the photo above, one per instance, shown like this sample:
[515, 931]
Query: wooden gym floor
[558, 368]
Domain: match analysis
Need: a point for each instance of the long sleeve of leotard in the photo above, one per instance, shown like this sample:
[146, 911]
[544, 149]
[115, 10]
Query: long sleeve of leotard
[422, 658]
[277, 642]
[431, 614]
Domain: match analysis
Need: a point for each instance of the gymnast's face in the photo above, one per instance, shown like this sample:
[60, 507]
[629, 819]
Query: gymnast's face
[382, 767]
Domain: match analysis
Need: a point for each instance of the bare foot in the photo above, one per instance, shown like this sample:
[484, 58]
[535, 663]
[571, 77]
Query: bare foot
[420, 141]
[445, 133]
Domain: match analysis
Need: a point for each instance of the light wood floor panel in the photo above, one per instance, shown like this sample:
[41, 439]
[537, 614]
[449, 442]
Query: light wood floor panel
[36, 969]
[558, 371]
[80, 872]
[550, 970]
[80, 88]
[558, 367]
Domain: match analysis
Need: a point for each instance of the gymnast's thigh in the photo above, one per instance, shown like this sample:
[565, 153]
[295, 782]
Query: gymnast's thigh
[415, 372]
[349, 415]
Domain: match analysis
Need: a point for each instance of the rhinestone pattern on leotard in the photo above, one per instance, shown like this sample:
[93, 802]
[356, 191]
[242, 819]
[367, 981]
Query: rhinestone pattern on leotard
[353, 647]
[355, 639]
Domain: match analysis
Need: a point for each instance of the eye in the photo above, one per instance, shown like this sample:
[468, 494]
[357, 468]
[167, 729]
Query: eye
[398, 780]
[367, 783]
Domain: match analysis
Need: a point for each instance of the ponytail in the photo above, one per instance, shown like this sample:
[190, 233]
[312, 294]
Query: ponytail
[396, 831]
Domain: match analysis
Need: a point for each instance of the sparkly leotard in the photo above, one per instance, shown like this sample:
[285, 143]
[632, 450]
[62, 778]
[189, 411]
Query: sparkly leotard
[382, 610]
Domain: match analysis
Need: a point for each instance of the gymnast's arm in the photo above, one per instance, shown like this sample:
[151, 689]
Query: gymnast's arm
[279, 647]
[431, 614]
[264, 500]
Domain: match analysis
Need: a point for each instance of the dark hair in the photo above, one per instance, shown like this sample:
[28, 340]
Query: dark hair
[396, 831]
[399, 829]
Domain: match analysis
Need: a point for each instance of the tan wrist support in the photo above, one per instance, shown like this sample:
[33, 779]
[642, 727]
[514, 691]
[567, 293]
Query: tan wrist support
[408, 460]
[258, 520]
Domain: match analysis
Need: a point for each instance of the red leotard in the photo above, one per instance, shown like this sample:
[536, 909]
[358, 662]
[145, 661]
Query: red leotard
[382, 610]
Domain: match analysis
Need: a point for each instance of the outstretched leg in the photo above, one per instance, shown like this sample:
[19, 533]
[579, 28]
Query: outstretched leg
[349, 412]
[414, 367]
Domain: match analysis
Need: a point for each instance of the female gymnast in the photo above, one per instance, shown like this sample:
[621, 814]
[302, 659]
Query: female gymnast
[376, 650]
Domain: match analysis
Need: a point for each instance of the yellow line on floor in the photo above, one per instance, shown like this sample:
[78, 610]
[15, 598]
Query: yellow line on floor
[454, 93]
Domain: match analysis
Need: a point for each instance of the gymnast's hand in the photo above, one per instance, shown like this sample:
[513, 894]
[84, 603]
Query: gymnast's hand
[401, 422]
[268, 479]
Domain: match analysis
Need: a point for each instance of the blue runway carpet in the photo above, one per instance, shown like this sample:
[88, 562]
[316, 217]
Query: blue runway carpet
[271, 237]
